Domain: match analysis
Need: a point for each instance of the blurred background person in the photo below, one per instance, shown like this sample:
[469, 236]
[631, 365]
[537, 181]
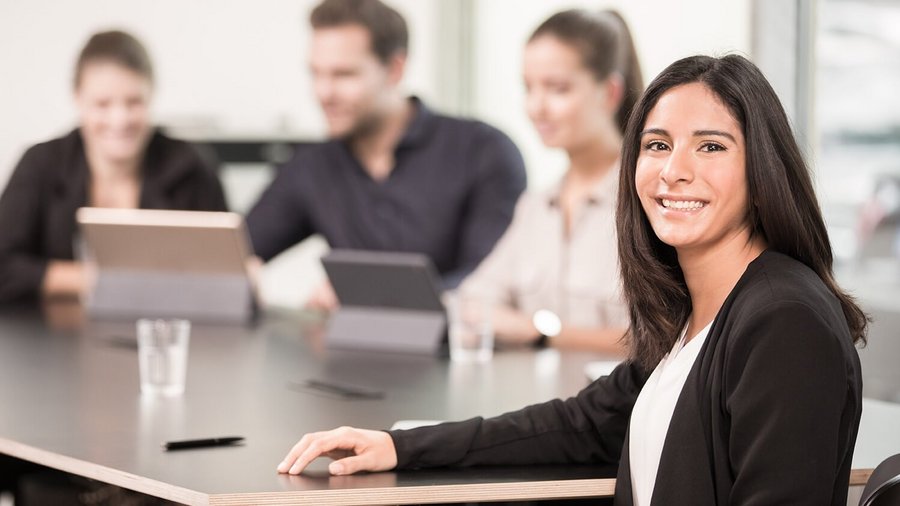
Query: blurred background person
[554, 276]
[114, 158]
[395, 175]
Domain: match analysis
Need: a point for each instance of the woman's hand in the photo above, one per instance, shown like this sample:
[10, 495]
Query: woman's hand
[353, 450]
[65, 278]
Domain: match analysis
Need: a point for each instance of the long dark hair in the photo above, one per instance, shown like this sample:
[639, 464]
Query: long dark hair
[605, 45]
[783, 205]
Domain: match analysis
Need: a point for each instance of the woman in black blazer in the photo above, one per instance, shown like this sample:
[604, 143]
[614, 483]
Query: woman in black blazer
[725, 260]
[114, 159]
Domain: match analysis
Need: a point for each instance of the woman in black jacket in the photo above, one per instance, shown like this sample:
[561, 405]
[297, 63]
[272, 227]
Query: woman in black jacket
[115, 158]
[743, 384]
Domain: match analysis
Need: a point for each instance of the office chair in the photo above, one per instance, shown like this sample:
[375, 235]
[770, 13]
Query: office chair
[882, 488]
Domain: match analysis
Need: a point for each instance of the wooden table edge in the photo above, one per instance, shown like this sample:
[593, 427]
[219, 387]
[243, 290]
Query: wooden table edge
[859, 477]
[103, 473]
[533, 490]
[597, 487]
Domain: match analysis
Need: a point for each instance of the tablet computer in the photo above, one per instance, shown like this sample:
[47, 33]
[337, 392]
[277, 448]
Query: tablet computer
[388, 301]
[162, 263]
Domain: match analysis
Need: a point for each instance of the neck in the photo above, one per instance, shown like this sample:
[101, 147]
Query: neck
[592, 160]
[711, 275]
[104, 168]
[375, 148]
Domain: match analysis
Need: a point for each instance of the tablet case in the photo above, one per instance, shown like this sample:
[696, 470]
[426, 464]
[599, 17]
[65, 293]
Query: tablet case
[388, 302]
[167, 264]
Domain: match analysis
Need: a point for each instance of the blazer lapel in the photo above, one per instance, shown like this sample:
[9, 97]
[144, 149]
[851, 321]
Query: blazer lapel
[623, 495]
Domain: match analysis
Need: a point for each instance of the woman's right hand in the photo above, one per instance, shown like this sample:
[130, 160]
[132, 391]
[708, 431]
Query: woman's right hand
[65, 278]
[352, 449]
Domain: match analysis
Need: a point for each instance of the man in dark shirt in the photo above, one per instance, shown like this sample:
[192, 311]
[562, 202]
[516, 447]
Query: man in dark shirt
[395, 175]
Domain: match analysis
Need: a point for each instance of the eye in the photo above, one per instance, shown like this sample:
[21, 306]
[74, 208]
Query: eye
[656, 145]
[711, 147]
[346, 74]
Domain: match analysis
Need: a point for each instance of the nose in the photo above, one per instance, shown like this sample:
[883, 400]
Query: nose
[324, 88]
[119, 116]
[678, 168]
[534, 103]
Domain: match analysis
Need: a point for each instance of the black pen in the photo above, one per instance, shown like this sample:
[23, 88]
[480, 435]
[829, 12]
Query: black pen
[201, 443]
[342, 390]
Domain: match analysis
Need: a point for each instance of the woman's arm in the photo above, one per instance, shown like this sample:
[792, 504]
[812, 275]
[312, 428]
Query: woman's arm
[22, 264]
[514, 327]
[587, 428]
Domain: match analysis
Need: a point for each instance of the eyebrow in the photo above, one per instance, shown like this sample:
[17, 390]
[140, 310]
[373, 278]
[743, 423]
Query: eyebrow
[697, 133]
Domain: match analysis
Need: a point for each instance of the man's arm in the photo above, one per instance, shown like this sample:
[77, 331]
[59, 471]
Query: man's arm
[279, 218]
[500, 179]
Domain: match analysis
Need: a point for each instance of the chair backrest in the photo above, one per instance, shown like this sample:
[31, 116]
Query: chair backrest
[882, 488]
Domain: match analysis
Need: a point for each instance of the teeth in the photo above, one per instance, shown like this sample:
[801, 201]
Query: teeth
[682, 204]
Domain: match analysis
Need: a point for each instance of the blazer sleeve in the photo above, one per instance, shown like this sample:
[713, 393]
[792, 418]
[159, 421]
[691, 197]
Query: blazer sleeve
[587, 428]
[22, 266]
[786, 387]
[500, 180]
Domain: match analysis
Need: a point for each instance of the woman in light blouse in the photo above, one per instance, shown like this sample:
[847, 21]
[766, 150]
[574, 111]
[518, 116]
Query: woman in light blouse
[553, 276]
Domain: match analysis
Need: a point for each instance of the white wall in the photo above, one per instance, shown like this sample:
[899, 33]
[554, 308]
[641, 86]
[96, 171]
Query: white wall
[239, 65]
[663, 31]
[236, 65]
[232, 66]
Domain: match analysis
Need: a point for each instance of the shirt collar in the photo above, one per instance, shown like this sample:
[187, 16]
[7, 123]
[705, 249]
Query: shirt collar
[603, 190]
[419, 127]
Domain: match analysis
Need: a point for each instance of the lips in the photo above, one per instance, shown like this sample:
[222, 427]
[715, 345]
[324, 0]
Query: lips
[544, 129]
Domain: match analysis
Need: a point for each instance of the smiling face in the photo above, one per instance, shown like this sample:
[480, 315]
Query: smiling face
[351, 84]
[691, 175]
[113, 103]
[564, 101]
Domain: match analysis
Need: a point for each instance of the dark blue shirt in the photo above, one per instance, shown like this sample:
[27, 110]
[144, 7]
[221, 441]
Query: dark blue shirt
[450, 195]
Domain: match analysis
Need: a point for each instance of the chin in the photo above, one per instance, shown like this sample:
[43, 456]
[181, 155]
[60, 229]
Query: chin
[122, 153]
[339, 129]
[552, 142]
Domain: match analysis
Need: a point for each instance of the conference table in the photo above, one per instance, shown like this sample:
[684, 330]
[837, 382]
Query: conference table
[71, 400]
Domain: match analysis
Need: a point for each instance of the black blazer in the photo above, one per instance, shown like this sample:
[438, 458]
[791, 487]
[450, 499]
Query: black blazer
[37, 209]
[768, 415]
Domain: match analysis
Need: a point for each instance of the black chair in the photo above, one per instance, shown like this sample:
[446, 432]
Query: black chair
[882, 488]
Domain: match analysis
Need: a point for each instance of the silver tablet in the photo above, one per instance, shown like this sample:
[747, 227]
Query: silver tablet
[160, 263]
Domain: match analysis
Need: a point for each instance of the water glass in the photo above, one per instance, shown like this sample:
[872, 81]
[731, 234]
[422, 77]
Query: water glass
[162, 355]
[471, 331]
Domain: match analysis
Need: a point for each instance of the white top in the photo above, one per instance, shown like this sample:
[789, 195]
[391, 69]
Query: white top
[653, 412]
[535, 265]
